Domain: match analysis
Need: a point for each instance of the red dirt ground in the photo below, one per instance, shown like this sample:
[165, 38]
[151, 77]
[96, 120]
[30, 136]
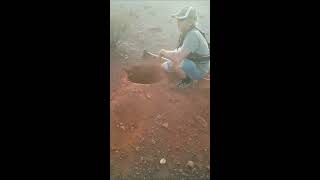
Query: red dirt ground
[154, 121]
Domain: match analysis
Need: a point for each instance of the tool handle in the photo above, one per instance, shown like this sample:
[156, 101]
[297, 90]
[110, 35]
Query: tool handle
[155, 55]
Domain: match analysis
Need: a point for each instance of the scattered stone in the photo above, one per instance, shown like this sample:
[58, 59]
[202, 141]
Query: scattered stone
[137, 149]
[190, 164]
[153, 141]
[165, 125]
[148, 96]
[123, 128]
[208, 167]
[202, 121]
[117, 126]
[162, 161]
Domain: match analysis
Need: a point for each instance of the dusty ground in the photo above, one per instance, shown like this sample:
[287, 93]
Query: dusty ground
[154, 120]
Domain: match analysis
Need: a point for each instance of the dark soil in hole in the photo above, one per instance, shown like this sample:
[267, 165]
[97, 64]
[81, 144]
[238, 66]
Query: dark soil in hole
[145, 73]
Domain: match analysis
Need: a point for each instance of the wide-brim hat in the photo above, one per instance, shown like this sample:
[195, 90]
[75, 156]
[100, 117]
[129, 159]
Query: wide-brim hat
[186, 13]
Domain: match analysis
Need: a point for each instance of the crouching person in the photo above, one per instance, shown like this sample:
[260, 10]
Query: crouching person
[191, 59]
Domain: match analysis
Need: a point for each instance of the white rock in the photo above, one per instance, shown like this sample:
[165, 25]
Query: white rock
[123, 128]
[165, 125]
[163, 161]
[190, 164]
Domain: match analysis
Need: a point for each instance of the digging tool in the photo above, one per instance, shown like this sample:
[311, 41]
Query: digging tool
[203, 83]
[147, 53]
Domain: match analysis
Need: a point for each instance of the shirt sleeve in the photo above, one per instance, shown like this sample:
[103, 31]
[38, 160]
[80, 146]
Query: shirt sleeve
[191, 42]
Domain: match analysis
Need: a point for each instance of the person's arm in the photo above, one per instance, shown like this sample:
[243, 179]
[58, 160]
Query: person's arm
[190, 44]
[175, 55]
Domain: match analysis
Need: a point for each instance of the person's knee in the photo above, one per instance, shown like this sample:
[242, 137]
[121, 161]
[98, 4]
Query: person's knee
[191, 70]
[188, 66]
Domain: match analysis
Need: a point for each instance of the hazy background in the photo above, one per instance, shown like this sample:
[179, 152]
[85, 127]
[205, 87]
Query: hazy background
[150, 24]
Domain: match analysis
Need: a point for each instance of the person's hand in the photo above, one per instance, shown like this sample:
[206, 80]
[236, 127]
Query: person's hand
[162, 53]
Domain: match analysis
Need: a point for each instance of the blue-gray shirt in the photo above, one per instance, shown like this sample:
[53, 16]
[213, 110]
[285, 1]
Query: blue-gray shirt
[196, 43]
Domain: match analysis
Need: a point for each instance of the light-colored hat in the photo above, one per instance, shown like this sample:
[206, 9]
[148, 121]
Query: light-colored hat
[186, 13]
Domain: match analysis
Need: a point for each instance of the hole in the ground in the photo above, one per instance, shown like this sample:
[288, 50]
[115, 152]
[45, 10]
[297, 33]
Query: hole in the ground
[145, 73]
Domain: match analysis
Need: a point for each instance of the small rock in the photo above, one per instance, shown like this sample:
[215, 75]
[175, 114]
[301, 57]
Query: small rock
[165, 125]
[153, 141]
[202, 121]
[162, 161]
[123, 128]
[148, 96]
[190, 164]
[137, 149]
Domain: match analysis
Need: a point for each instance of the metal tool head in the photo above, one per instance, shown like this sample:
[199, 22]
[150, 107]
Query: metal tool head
[145, 53]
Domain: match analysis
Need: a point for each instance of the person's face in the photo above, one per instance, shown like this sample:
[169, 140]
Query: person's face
[182, 25]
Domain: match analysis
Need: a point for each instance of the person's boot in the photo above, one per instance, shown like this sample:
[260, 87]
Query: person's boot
[184, 83]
